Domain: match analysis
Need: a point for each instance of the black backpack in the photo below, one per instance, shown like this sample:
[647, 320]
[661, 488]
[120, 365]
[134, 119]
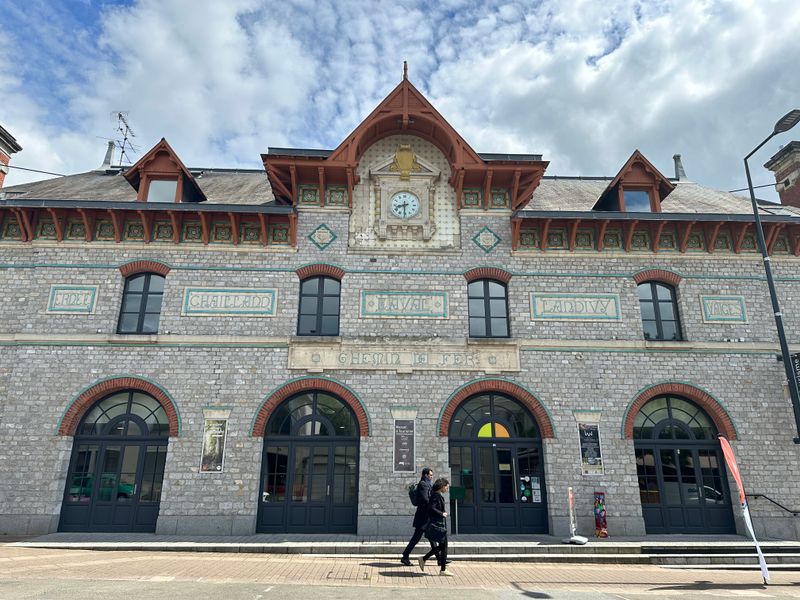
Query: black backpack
[412, 494]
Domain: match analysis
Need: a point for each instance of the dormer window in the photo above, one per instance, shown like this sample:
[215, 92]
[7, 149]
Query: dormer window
[160, 176]
[637, 201]
[638, 187]
[162, 190]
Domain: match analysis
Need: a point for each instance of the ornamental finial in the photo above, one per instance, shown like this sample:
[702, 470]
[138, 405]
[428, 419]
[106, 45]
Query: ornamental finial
[405, 69]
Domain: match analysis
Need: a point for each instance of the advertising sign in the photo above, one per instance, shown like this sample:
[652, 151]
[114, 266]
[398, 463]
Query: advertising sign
[591, 454]
[214, 435]
[403, 446]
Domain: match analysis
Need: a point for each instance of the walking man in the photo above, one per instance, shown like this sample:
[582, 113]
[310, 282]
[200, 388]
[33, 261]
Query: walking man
[421, 515]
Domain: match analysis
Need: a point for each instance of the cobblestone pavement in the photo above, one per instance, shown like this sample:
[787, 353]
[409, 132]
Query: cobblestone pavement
[26, 566]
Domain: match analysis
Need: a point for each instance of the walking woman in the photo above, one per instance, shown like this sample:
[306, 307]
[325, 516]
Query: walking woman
[436, 531]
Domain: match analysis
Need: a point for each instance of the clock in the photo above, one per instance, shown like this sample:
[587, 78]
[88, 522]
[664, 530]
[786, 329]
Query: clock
[404, 205]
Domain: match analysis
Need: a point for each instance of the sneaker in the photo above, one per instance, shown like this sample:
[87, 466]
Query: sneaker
[421, 563]
[404, 560]
[446, 574]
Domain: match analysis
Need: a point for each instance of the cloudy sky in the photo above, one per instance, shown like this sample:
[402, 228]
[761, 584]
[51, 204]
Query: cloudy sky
[582, 82]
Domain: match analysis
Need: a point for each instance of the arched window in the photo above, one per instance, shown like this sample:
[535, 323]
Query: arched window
[673, 418]
[313, 414]
[141, 303]
[319, 306]
[126, 414]
[660, 320]
[492, 416]
[488, 308]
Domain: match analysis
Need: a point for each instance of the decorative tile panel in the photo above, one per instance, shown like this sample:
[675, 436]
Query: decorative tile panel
[279, 234]
[72, 299]
[134, 230]
[104, 231]
[472, 198]
[250, 233]
[486, 239]
[574, 307]
[233, 302]
[322, 237]
[667, 241]
[696, 243]
[46, 229]
[221, 233]
[723, 309]
[529, 238]
[76, 230]
[723, 241]
[584, 239]
[403, 305]
[557, 239]
[640, 241]
[309, 195]
[192, 232]
[335, 196]
[163, 231]
[499, 199]
[781, 244]
[612, 239]
[749, 243]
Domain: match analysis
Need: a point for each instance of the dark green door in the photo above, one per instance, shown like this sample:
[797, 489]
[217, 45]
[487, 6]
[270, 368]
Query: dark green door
[309, 479]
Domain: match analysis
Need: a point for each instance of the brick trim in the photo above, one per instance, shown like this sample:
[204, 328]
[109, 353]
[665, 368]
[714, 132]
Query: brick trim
[498, 386]
[143, 266]
[320, 269]
[87, 399]
[706, 401]
[487, 273]
[663, 275]
[309, 384]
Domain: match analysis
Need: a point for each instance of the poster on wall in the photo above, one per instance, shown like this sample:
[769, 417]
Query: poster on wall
[591, 455]
[214, 434]
[404, 446]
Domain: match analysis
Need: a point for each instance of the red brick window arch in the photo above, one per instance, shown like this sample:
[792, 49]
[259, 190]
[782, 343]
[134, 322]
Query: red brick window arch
[89, 397]
[309, 384]
[704, 400]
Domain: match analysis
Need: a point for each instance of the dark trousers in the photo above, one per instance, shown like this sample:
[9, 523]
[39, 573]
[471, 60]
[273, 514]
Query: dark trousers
[440, 550]
[414, 541]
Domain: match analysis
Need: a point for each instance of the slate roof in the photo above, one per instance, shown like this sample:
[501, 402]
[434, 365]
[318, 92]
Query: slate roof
[221, 186]
[233, 186]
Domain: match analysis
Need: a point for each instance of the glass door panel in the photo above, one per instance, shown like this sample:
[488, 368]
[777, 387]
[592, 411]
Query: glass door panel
[319, 474]
[109, 474]
[127, 488]
[506, 480]
[486, 473]
[300, 475]
[81, 480]
[669, 470]
[155, 457]
[277, 464]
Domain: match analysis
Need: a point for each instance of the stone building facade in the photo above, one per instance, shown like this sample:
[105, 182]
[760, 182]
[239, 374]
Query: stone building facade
[556, 267]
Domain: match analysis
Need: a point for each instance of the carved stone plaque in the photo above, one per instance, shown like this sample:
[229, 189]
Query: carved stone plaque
[214, 302]
[403, 305]
[428, 357]
[574, 307]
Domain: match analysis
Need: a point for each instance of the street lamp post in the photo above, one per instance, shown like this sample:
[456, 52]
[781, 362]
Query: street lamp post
[784, 124]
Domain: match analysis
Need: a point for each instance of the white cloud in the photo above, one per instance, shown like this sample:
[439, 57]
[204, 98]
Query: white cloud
[584, 83]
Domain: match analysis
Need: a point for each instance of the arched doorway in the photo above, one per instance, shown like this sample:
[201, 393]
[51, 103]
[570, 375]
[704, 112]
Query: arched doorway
[496, 457]
[309, 476]
[682, 481]
[117, 465]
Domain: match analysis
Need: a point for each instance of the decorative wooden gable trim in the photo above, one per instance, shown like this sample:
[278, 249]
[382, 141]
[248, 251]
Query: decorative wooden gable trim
[162, 163]
[637, 174]
[404, 111]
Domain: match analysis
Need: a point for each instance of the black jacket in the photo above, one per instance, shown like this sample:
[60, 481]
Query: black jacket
[436, 509]
[423, 498]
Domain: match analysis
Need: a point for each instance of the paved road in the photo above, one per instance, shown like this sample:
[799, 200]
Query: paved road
[78, 574]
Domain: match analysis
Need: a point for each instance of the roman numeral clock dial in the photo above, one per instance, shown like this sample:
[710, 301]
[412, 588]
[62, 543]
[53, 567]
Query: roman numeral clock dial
[405, 205]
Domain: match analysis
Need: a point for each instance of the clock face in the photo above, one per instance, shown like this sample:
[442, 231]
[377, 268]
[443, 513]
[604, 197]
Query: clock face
[405, 205]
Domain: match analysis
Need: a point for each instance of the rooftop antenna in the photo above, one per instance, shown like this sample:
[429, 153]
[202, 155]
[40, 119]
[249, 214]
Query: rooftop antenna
[125, 146]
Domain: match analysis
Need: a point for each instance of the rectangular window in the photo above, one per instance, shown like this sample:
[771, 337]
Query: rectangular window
[162, 190]
[637, 201]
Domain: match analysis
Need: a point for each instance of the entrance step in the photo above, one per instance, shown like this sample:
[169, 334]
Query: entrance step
[728, 553]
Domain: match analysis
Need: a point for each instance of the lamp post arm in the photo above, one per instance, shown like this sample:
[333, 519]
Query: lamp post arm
[776, 309]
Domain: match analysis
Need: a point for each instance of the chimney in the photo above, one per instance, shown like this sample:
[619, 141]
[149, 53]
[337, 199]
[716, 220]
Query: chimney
[786, 166]
[108, 158]
[8, 146]
[680, 174]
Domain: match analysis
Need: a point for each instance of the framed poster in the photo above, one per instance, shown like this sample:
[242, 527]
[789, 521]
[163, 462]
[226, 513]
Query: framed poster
[591, 453]
[214, 435]
[403, 447]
